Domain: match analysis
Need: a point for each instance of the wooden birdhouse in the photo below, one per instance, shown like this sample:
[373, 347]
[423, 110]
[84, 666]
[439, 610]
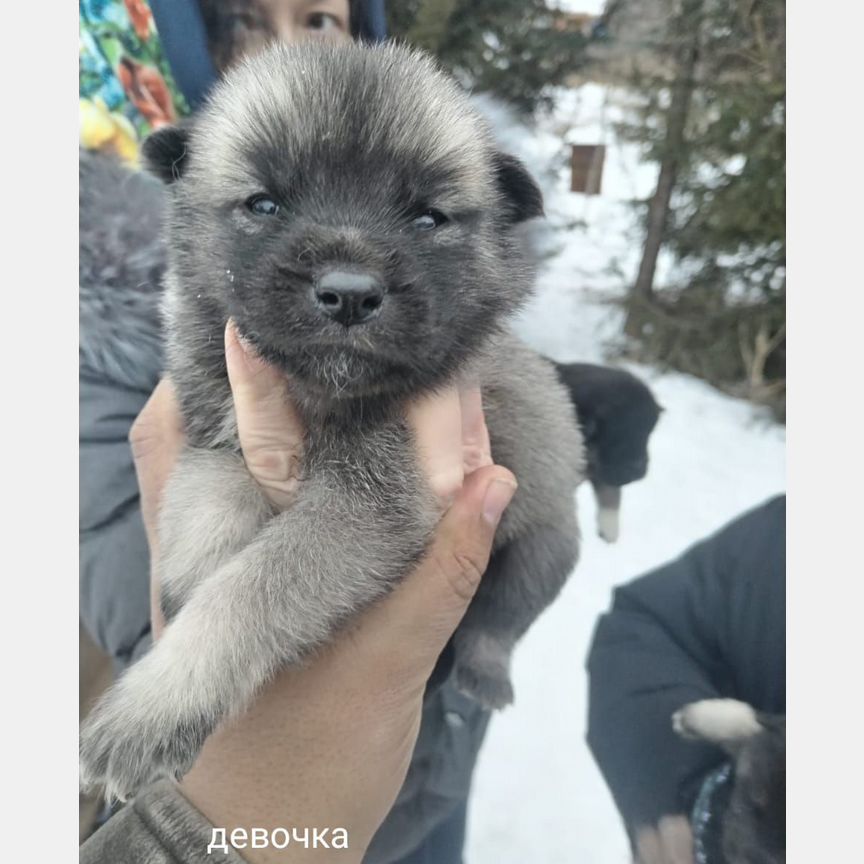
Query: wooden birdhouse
[586, 166]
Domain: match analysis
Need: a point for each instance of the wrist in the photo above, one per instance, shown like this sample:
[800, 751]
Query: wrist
[294, 837]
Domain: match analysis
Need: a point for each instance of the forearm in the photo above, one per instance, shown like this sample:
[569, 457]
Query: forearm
[266, 770]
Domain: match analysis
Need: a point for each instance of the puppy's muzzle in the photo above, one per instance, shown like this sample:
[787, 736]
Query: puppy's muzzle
[348, 298]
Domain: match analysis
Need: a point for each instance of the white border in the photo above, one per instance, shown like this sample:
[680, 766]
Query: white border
[825, 477]
[39, 429]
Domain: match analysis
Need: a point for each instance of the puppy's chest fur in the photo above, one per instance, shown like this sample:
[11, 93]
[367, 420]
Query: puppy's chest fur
[369, 453]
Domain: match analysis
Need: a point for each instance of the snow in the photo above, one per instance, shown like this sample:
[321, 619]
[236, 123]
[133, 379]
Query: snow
[538, 796]
[593, 7]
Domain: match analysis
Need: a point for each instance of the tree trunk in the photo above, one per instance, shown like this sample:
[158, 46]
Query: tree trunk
[430, 26]
[676, 122]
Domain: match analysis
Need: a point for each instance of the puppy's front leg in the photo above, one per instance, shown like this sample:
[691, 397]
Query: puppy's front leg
[523, 577]
[281, 596]
[608, 510]
[212, 507]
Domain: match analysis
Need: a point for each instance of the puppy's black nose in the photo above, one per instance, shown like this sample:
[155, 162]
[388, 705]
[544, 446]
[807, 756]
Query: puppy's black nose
[349, 298]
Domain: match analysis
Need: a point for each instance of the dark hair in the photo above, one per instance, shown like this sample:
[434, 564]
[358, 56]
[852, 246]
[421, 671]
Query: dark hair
[367, 20]
[225, 42]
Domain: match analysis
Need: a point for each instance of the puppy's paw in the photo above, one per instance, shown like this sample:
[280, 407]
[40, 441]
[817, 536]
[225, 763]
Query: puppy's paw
[680, 725]
[483, 669]
[490, 687]
[608, 524]
[128, 742]
[717, 720]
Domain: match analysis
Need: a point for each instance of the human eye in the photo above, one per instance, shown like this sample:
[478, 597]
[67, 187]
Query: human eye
[324, 23]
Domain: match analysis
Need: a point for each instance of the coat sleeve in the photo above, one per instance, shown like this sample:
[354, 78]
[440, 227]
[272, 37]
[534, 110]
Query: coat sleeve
[158, 827]
[114, 564]
[710, 624]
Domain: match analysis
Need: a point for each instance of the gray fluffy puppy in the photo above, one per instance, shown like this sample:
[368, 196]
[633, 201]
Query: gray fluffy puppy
[350, 211]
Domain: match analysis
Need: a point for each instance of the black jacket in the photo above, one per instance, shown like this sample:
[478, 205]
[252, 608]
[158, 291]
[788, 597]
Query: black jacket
[712, 623]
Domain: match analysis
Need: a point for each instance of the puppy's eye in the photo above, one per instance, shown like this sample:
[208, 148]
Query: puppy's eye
[261, 205]
[429, 220]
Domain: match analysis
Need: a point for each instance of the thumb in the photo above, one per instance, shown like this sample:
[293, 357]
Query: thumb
[421, 614]
[268, 426]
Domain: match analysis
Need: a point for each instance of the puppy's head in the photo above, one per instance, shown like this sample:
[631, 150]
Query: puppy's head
[620, 432]
[620, 415]
[753, 827]
[617, 414]
[349, 209]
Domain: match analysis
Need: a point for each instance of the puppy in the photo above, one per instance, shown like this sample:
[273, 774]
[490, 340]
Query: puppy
[617, 414]
[740, 814]
[349, 210]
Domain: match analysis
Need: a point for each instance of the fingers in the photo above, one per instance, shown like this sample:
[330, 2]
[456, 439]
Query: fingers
[421, 614]
[268, 426]
[451, 437]
[649, 849]
[669, 842]
[476, 449]
[677, 839]
[437, 423]
[156, 438]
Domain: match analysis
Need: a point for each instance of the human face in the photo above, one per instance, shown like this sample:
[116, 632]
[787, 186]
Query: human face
[293, 20]
[242, 28]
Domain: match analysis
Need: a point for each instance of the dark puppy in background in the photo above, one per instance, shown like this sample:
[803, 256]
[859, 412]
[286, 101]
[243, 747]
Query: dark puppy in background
[740, 814]
[348, 209]
[617, 414]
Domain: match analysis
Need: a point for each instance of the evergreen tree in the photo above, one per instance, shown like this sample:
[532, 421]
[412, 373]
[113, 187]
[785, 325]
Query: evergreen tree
[515, 49]
[723, 217]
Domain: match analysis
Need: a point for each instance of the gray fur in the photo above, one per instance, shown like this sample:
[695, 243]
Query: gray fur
[346, 138]
[121, 263]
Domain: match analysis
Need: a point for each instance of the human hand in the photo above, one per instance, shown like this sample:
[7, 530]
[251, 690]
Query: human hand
[449, 429]
[330, 743]
[670, 841]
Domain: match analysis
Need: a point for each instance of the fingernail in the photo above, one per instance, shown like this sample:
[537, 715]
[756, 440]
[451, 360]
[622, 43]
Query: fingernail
[242, 349]
[232, 334]
[246, 345]
[498, 496]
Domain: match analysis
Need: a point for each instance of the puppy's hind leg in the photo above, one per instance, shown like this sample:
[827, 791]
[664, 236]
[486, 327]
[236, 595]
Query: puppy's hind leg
[212, 508]
[523, 577]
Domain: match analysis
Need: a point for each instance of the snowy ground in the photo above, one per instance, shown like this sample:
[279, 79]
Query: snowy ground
[538, 796]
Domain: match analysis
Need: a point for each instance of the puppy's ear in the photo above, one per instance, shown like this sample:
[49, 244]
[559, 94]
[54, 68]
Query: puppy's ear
[588, 426]
[165, 152]
[521, 193]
